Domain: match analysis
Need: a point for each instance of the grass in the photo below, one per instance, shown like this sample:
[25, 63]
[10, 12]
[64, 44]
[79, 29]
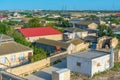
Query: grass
[25, 74]
[100, 73]
[116, 67]
[74, 74]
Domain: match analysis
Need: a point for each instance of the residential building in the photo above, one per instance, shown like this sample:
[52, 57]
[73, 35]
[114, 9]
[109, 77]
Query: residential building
[2, 18]
[87, 25]
[92, 40]
[54, 47]
[12, 53]
[92, 32]
[51, 46]
[90, 62]
[33, 34]
[72, 33]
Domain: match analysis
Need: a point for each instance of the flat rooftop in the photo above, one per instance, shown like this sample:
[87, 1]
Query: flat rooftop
[61, 71]
[91, 54]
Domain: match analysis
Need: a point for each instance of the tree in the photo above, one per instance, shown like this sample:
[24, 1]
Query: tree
[104, 30]
[4, 28]
[35, 22]
[38, 54]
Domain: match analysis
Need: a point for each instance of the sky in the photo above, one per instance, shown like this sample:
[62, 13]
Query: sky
[60, 4]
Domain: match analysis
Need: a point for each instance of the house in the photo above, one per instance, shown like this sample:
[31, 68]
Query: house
[92, 32]
[33, 34]
[87, 25]
[51, 46]
[12, 53]
[72, 33]
[55, 47]
[90, 62]
[2, 18]
[92, 40]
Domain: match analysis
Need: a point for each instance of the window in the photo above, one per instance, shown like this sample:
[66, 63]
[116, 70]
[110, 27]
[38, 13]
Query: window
[78, 64]
[21, 56]
[12, 58]
[3, 60]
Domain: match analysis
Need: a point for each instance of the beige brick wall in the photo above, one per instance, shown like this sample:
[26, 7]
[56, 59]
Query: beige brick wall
[52, 37]
[113, 42]
[29, 68]
[17, 58]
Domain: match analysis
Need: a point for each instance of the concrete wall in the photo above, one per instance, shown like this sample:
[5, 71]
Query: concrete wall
[65, 75]
[84, 68]
[29, 68]
[52, 37]
[100, 64]
[17, 58]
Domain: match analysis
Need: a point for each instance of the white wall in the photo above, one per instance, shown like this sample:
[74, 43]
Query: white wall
[85, 67]
[88, 67]
[104, 64]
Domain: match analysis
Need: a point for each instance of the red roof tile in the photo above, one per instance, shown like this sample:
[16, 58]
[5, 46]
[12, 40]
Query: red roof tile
[31, 32]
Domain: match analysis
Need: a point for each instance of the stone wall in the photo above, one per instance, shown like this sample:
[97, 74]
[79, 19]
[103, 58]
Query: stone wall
[29, 68]
[101, 42]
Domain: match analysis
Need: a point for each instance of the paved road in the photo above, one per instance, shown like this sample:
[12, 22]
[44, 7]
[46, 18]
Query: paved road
[45, 74]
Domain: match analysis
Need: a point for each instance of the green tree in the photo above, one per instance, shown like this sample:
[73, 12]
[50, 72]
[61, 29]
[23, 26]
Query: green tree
[38, 54]
[104, 30]
[4, 28]
[35, 22]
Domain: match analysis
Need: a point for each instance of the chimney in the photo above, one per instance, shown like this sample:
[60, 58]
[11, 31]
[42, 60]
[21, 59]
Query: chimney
[111, 57]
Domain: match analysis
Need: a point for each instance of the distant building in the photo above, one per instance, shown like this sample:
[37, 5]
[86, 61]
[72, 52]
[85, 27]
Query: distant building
[72, 33]
[33, 34]
[87, 25]
[90, 62]
[2, 18]
[12, 53]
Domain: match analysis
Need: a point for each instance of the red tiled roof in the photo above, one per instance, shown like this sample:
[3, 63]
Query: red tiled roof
[118, 15]
[31, 32]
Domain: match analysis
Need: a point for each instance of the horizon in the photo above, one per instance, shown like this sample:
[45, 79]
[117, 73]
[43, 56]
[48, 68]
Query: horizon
[60, 5]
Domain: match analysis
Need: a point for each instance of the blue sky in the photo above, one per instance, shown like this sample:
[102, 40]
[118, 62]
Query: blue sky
[60, 4]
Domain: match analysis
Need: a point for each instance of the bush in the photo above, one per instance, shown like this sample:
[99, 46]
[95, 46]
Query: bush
[38, 54]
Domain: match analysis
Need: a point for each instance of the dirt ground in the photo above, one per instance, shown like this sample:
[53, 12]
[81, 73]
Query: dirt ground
[108, 76]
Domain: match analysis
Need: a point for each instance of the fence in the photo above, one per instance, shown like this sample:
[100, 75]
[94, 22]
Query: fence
[29, 68]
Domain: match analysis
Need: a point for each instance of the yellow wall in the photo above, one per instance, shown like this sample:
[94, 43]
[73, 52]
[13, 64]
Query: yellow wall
[17, 58]
[52, 37]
